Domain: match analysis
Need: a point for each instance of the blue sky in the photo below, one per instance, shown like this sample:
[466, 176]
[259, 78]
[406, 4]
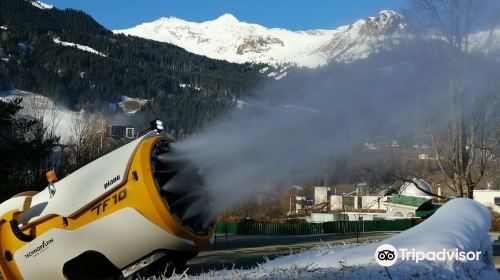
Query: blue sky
[290, 14]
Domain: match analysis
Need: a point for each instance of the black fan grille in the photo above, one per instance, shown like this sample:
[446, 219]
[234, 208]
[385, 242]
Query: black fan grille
[181, 187]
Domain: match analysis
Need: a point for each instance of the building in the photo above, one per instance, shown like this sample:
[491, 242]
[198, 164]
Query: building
[371, 146]
[423, 189]
[394, 144]
[414, 200]
[328, 217]
[369, 202]
[343, 189]
[300, 203]
[411, 201]
[400, 206]
[362, 189]
[122, 132]
[353, 208]
[423, 156]
[341, 202]
[321, 194]
[489, 198]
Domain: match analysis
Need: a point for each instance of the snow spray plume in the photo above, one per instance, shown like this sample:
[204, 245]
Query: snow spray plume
[290, 131]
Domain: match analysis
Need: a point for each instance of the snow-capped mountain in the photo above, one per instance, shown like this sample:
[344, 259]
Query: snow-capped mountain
[229, 39]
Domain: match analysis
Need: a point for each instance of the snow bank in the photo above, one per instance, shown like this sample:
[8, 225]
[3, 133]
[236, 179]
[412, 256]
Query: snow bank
[461, 224]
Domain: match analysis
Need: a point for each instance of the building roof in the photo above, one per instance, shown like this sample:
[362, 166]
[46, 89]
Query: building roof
[408, 200]
[486, 190]
[342, 189]
[410, 189]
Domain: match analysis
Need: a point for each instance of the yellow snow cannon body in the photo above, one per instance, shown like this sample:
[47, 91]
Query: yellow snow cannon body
[136, 202]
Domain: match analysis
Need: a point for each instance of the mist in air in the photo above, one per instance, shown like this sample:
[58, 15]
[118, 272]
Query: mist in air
[291, 131]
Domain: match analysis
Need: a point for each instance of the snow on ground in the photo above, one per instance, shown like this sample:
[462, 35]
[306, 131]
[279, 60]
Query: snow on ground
[241, 104]
[78, 46]
[281, 76]
[263, 70]
[189, 86]
[41, 5]
[131, 105]
[461, 224]
[38, 106]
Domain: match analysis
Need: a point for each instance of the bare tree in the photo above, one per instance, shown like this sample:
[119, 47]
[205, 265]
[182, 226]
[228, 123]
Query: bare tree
[463, 151]
[86, 138]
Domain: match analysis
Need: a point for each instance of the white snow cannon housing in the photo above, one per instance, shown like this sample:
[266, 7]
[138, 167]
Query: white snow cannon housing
[130, 204]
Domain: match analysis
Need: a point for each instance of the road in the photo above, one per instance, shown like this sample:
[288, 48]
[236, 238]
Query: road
[246, 251]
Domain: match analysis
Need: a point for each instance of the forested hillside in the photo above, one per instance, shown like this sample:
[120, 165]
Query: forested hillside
[66, 55]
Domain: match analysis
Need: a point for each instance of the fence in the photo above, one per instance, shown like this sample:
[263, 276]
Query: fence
[314, 228]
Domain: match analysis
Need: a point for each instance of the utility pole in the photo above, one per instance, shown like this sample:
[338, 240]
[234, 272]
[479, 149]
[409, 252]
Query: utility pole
[357, 229]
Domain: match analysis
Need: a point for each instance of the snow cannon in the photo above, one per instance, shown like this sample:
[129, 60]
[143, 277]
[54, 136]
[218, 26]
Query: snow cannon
[140, 202]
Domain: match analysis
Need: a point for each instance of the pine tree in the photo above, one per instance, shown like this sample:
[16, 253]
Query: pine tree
[25, 151]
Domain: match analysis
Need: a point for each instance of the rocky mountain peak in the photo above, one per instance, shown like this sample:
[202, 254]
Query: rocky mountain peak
[385, 23]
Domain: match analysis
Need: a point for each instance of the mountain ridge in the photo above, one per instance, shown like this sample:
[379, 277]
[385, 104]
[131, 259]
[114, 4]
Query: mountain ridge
[236, 41]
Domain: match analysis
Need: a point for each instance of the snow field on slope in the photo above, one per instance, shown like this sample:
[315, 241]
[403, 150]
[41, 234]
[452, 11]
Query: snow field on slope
[78, 46]
[41, 107]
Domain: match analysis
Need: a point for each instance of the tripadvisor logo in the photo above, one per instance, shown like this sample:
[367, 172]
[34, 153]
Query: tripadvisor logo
[387, 255]
[45, 244]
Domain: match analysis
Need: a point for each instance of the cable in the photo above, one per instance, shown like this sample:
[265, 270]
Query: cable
[412, 182]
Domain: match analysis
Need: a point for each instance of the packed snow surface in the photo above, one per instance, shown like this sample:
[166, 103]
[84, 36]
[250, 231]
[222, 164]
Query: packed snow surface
[78, 46]
[461, 224]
